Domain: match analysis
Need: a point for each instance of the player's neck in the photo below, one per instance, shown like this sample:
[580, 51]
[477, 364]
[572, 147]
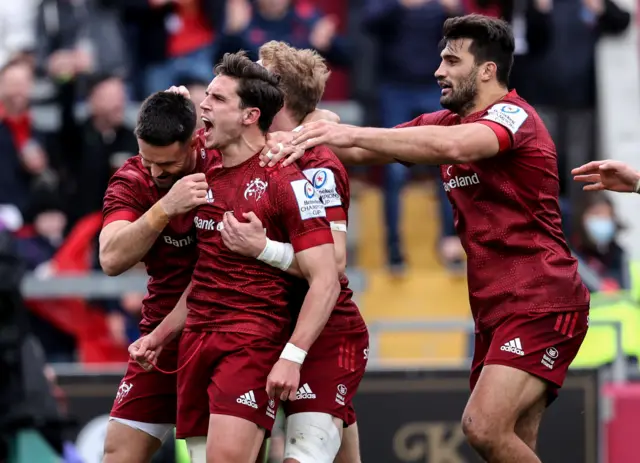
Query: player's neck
[245, 147]
[486, 98]
[288, 123]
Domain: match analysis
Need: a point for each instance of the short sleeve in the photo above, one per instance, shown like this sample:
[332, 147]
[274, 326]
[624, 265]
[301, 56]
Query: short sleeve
[423, 119]
[332, 185]
[121, 201]
[508, 121]
[302, 213]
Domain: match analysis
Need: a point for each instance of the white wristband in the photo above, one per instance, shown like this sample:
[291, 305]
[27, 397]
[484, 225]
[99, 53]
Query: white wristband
[277, 254]
[293, 353]
[341, 227]
[637, 190]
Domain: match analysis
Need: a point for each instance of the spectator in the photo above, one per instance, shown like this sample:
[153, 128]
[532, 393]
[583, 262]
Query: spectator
[169, 38]
[123, 317]
[38, 243]
[92, 149]
[566, 97]
[405, 30]
[79, 37]
[24, 161]
[300, 24]
[596, 246]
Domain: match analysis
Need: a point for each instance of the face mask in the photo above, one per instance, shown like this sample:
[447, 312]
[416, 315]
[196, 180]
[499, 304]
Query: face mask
[600, 230]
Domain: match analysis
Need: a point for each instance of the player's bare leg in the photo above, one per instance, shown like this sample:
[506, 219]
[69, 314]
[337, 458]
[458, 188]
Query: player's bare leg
[262, 454]
[350, 446]
[124, 444]
[233, 440]
[502, 395]
[528, 424]
[312, 434]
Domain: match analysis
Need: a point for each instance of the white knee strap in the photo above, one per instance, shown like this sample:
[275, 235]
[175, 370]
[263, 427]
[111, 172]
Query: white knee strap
[312, 438]
[197, 447]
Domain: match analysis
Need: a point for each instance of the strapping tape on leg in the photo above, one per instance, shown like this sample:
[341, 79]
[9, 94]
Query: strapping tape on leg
[312, 438]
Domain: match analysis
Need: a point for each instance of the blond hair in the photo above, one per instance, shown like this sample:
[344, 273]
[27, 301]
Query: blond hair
[303, 75]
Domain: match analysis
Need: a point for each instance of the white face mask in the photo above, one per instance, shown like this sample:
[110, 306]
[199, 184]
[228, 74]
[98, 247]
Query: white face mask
[601, 230]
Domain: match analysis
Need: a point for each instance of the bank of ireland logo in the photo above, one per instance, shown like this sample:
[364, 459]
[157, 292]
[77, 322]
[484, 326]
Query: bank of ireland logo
[508, 109]
[308, 190]
[319, 179]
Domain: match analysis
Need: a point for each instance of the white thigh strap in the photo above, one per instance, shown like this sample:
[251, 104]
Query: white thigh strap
[312, 438]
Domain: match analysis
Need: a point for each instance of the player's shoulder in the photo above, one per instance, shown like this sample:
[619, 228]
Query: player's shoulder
[132, 171]
[320, 157]
[513, 110]
[284, 174]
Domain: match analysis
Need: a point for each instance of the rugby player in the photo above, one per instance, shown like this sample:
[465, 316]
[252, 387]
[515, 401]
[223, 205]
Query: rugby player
[236, 335]
[608, 175]
[144, 220]
[499, 168]
[335, 365]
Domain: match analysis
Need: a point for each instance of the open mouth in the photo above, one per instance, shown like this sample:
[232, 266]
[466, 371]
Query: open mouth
[208, 125]
[446, 88]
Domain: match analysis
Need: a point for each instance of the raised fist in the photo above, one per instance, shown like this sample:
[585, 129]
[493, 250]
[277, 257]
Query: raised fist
[186, 194]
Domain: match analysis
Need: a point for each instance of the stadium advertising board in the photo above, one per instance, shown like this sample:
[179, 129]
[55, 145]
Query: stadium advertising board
[414, 417]
[403, 417]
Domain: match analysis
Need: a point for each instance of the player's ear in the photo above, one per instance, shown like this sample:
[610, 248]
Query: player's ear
[251, 116]
[488, 71]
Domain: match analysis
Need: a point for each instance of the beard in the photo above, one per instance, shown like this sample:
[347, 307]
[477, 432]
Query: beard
[462, 95]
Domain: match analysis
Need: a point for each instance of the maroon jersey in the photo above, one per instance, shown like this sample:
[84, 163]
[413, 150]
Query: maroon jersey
[329, 177]
[507, 215]
[235, 293]
[171, 259]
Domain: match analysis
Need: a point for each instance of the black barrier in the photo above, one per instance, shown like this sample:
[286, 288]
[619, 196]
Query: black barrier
[403, 416]
[414, 417]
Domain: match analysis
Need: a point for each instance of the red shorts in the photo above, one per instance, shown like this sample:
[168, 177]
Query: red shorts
[541, 343]
[331, 374]
[227, 371]
[149, 396]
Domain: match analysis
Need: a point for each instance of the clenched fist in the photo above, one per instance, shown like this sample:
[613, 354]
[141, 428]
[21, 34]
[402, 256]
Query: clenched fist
[187, 193]
[145, 351]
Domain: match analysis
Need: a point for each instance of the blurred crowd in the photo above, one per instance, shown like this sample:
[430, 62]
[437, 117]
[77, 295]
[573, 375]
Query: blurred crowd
[72, 72]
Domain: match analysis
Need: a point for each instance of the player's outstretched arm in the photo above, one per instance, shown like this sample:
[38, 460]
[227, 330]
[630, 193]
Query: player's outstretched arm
[279, 143]
[425, 144]
[608, 175]
[124, 243]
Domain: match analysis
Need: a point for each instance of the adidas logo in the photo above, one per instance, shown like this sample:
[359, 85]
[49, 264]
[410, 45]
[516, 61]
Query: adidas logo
[209, 196]
[513, 346]
[248, 399]
[305, 392]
